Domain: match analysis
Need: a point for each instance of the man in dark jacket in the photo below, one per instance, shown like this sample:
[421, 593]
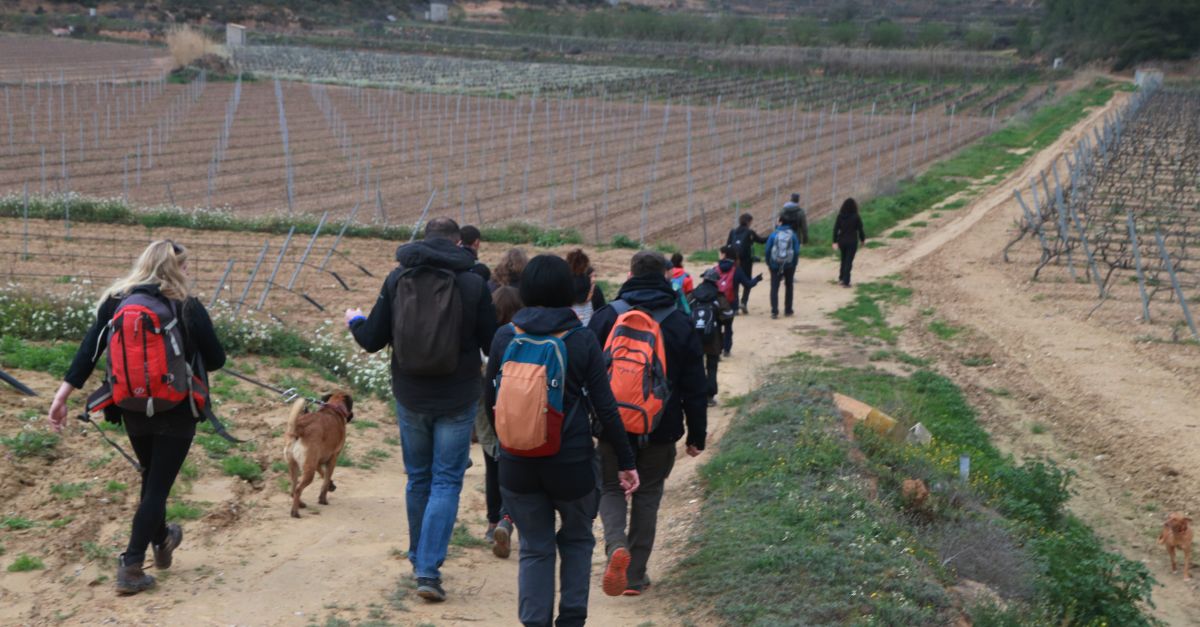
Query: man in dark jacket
[433, 409]
[743, 239]
[650, 290]
[471, 240]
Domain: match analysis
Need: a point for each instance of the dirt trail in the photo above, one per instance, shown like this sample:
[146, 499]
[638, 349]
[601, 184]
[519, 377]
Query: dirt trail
[343, 560]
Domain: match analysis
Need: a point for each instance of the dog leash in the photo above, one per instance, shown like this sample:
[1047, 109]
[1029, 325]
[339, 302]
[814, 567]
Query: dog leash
[83, 417]
[287, 396]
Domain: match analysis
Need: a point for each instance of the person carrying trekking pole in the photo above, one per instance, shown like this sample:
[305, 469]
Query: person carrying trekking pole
[656, 371]
[742, 239]
[437, 316]
[160, 345]
[783, 250]
[731, 276]
[546, 379]
[710, 311]
[848, 233]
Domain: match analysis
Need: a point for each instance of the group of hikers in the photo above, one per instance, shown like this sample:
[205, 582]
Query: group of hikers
[579, 405]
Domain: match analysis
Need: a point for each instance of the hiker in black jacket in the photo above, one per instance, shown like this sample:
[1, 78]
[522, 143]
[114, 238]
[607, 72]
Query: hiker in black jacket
[536, 488]
[739, 278]
[848, 233]
[713, 343]
[435, 413]
[650, 289]
[160, 442]
[471, 240]
[743, 239]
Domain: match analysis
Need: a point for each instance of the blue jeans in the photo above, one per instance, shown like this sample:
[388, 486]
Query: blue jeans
[436, 452]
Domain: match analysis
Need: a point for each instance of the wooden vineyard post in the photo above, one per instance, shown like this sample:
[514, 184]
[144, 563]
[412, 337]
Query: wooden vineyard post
[253, 273]
[307, 250]
[221, 284]
[25, 222]
[275, 270]
[1137, 261]
[1166, 257]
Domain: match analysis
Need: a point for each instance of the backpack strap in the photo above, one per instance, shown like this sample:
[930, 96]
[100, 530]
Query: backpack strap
[621, 306]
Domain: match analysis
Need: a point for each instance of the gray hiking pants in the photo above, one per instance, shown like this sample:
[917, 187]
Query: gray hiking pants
[654, 464]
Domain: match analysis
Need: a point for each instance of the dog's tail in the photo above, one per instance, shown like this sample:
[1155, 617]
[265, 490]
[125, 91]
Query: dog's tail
[297, 411]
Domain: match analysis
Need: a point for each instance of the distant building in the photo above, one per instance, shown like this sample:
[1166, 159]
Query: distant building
[235, 35]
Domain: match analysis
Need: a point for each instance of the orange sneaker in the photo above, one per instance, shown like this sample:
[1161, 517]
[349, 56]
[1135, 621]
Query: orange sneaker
[614, 574]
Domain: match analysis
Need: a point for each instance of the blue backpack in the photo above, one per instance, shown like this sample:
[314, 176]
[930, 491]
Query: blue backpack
[529, 394]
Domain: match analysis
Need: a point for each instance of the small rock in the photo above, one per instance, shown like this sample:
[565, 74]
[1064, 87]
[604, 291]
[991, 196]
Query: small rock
[1101, 457]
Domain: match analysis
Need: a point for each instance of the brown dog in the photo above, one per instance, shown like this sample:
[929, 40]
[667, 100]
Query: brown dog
[313, 442]
[1177, 534]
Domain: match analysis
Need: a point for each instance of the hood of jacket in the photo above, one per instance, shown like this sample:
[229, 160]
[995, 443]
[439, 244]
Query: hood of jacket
[725, 264]
[546, 320]
[706, 292]
[649, 291]
[439, 253]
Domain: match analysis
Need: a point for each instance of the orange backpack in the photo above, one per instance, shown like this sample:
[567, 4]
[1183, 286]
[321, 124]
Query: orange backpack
[637, 366]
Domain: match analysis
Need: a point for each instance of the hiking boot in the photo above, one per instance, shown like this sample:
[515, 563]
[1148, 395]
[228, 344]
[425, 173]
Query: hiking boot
[430, 589]
[712, 401]
[725, 354]
[774, 315]
[614, 574]
[745, 309]
[490, 534]
[162, 552]
[788, 314]
[502, 538]
[131, 579]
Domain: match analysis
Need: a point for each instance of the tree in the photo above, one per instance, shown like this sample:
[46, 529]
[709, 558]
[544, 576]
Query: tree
[844, 33]
[886, 34]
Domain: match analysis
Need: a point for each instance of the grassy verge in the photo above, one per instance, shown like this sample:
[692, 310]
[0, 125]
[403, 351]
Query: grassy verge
[994, 155]
[115, 211]
[799, 528]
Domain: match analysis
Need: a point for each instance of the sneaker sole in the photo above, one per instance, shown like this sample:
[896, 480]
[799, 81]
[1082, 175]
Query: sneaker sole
[631, 593]
[615, 578]
[502, 547]
[430, 595]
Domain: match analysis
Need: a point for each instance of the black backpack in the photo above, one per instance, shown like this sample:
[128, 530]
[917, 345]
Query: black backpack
[704, 318]
[427, 314]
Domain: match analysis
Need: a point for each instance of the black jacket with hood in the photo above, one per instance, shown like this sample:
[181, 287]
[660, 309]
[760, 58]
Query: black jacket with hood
[744, 238]
[739, 276]
[707, 292]
[685, 359]
[585, 370]
[446, 394]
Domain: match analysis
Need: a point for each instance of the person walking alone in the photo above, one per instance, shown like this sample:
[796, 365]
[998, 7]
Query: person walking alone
[437, 316]
[530, 375]
[157, 285]
[848, 233]
[783, 251]
[742, 239]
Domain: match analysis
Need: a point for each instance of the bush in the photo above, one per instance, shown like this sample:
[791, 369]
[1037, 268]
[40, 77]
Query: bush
[844, 33]
[803, 31]
[932, 34]
[241, 467]
[624, 241]
[183, 511]
[29, 443]
[25, 563]
[886, 34]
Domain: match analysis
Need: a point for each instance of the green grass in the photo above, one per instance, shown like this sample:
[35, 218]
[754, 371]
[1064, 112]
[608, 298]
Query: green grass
[624, 241]
[944, 330]
[113, 211]
[59, 523]
[278, 466]
[189, 470]
[25, 563]
[53, 357]
[990, 156]
[344, 460]
[363, 425]
[705, 256]
[918, 224]
[180, 510]
[865, 316]
[901, 357]
[461, 537]
[1037, 428]
[16, 522]
[30, 443]
[900, 234]
[241, 467]
[977, 361]
[97, 553]
[69, 491]
[213, 444]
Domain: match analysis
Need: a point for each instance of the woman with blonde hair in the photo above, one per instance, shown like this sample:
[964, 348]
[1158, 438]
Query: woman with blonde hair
[155, 292]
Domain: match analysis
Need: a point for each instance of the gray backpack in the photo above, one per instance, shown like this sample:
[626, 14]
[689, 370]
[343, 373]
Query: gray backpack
[781, 251]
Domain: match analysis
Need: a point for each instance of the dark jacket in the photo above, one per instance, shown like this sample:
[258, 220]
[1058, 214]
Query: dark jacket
[707, 292]
[685, 359]
[199, 342]
[848, 229]
[585, 284]
[743, 238]
[794, 216]
[585, 371]
[479, 268]
[739, 277]
[454, 392]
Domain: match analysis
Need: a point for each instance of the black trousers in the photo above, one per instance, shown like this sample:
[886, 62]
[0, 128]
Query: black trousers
[710, 366]
[491, 481]
[787, 276]
[748, 268]
[848, 252]
[161, 457]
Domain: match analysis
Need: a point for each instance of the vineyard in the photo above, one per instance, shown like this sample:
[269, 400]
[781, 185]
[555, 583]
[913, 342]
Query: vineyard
[1120, 212]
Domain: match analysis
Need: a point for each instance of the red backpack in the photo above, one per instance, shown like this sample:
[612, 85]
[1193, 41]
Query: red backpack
[726, 284]
[147, 371]
[637, 366]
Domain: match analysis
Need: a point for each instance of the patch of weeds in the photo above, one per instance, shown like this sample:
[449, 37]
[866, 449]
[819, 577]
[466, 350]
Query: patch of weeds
[378, 454]
[1000, 392]
[59, 523]
[26, 563]
[278, 466]
[13, 523]
[944, 330]
[873, 244]
[865, 316]
[624, 241]
[392, 441]
[181, 510]
[918, 224]
[68, 491]
[213, 444]
[935, 215]
[954, 205]
[54, 357]
[363, 425]
[30, 443]
[189, 470]
[100, 462]
[398, 599]
[900, 234]
[977, 361]
[901, 357]
[284, 484]
[461, 537]
[666, 248]
[705, 256]
[97, 553]
[1037, 428]
[344, 460]
[241, 467]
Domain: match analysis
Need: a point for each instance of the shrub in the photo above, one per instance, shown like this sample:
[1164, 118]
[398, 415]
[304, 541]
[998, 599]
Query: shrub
[183, 511]
[16, 522]
[241, 467]
[29, 443]
[69, 491]
[25, 563]
[624, 241]
[886, 34]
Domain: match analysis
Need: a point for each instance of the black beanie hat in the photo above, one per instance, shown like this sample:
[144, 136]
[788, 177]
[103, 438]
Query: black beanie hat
[546, 282]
